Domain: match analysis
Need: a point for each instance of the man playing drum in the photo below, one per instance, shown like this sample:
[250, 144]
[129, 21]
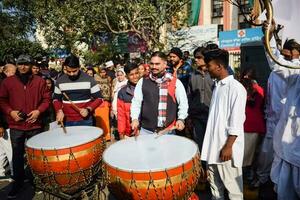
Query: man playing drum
[23, 97]
[160, 101]
[76, 95]
[125, 96]
[223, 144]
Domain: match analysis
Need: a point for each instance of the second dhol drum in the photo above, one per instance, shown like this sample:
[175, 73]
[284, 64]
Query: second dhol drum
[167, 167]
[66, 162]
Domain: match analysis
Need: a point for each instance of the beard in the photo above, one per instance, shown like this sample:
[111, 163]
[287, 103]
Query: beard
[74, 77]
[24, 77]
[175, 63]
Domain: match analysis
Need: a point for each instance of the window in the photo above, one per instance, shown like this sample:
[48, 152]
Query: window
[217, 8]
[245, 6]
[220, 28]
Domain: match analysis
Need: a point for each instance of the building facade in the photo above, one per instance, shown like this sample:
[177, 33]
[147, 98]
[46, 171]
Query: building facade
[226, 15]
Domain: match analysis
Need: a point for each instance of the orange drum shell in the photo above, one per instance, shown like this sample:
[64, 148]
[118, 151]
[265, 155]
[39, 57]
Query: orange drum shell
[66, 165]
[138, 185]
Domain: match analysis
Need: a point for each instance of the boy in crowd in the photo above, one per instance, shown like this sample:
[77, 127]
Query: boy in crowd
[125, 96]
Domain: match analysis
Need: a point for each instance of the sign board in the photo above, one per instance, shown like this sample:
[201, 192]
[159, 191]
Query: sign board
[120, 43]
[136, 43]
[232, 40]
[188, 39]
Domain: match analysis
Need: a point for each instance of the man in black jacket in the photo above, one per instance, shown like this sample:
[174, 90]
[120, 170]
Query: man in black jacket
[199, 96]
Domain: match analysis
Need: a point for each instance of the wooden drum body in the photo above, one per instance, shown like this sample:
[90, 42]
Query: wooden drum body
[66, 162]
[167, 167]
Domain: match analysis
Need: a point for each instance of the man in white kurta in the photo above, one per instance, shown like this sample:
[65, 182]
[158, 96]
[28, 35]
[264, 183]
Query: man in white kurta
[223, 146]
[285, 172]
[276, 98]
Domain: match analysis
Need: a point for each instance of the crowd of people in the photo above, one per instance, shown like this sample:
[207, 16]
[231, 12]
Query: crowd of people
[244, 133]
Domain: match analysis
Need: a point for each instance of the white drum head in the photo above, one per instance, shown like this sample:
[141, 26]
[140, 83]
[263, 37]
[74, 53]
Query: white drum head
[57, 139]
[148, 153]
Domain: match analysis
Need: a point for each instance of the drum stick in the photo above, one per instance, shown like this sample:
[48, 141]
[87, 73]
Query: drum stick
[135, 131]
[164, 131]
[72, 104]
[63, 127]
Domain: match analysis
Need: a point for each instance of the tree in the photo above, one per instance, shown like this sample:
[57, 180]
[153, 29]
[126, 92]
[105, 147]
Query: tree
[65, 22]
[16, 27]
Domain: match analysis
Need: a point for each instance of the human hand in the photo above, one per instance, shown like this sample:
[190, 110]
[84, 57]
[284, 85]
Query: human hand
[60, 116]
[179, 125]
[121, 136]
[15, 115]
[226, 153]
[84, 112]
[112, 114]
[1, 132]
[266, 25]
[32, 116]
[135, 124]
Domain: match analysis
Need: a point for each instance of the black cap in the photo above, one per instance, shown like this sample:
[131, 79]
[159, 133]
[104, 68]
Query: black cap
[177, 51]
[24, 59]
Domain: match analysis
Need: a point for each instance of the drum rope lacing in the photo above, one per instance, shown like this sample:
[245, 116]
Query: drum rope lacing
[151, 182]
[47, 181]
[133, 187]
[132, 181]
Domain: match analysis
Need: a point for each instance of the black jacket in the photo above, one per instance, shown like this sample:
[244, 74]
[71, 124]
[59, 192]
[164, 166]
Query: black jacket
[199, 95]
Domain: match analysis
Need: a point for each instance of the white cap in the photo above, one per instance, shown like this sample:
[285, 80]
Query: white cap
[109, 64]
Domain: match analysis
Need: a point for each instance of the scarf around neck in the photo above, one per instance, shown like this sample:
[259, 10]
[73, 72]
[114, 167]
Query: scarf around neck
[163, 83]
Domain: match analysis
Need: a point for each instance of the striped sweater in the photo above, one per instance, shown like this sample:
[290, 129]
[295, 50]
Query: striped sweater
[83, 92]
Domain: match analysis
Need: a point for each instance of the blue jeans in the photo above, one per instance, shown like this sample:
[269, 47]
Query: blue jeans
[86, 122]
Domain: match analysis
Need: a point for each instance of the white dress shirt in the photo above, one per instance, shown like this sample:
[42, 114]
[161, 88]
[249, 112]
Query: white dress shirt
[226, 117]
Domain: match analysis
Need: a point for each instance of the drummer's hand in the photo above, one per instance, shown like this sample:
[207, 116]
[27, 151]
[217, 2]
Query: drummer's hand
[15, 115]
[1, 132]
[122, 136]
[32, 116]
[60, 116]
[179, 125]
[84, 112]
[135, 124]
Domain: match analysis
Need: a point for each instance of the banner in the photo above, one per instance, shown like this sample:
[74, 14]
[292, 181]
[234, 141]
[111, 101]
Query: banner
[188, 39]
[194, 17]
[232, 40]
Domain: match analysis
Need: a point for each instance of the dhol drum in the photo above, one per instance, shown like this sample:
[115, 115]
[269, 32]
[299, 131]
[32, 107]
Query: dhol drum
[167, 167]
[66, 162]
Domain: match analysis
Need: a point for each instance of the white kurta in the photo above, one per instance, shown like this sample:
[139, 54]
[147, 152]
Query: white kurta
[276, 97]
[286, 140]
[287, 133]
[226, 117]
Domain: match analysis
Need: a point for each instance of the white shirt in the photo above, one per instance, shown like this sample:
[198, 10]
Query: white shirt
[277, 89]
[180, 96]
[226, 117]
[276, 97]
[286, 139]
